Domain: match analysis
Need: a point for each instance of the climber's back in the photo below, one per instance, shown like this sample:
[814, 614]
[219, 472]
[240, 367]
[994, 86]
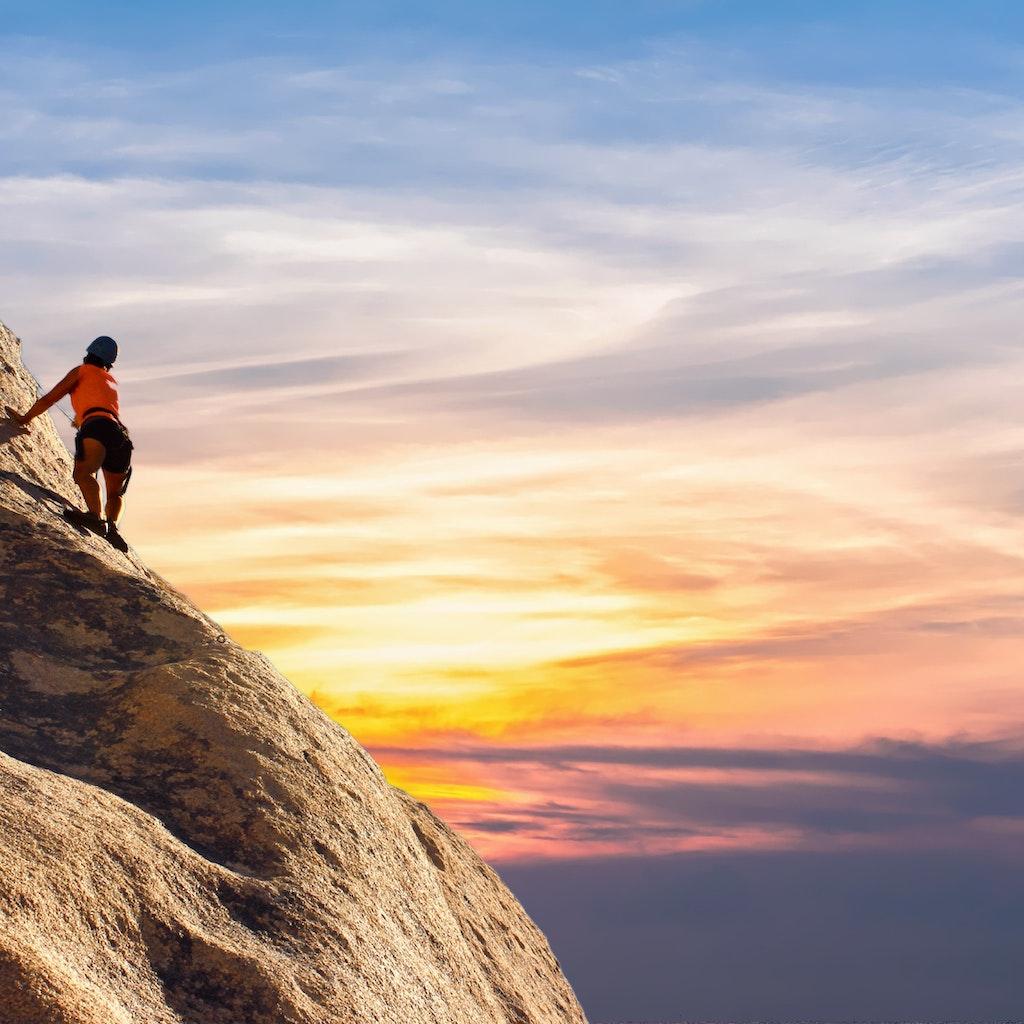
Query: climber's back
[94, 393]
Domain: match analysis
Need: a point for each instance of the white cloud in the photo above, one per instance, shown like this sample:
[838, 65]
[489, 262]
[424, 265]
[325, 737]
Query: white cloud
[498, 219]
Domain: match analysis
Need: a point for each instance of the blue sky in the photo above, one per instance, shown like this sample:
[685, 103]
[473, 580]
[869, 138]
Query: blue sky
[694, 325]
[850, 43]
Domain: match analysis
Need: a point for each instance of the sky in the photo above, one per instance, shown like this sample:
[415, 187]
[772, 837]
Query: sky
[610, 414]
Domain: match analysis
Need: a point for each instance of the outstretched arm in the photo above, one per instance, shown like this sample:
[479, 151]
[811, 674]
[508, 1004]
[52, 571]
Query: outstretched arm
[52, 397]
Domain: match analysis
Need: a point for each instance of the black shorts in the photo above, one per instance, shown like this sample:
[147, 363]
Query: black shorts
[113, 437]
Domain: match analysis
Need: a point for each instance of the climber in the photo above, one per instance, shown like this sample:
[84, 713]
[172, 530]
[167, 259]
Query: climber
[102, 441]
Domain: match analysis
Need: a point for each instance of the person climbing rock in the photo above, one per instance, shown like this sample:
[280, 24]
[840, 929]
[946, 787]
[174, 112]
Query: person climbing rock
[102, 442]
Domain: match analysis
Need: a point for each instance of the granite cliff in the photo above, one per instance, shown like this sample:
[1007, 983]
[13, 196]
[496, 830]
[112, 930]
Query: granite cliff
[186, 839]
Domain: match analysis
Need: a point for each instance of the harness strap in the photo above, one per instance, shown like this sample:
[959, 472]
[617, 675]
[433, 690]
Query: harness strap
[102, 409]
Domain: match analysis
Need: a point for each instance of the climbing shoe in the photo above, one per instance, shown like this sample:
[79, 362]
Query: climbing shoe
[115, 538]
[84, 521]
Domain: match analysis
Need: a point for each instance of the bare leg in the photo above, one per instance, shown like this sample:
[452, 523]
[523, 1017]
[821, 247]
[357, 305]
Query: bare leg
[113, 484]
[85, 474]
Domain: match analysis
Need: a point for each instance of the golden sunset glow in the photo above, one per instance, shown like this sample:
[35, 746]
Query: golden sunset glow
[700, 582]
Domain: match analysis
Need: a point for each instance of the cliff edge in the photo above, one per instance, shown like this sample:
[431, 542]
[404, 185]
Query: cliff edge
[186, 838]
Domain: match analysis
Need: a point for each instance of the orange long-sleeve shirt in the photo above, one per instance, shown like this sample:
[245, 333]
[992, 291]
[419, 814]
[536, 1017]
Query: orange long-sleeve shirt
[95, 388]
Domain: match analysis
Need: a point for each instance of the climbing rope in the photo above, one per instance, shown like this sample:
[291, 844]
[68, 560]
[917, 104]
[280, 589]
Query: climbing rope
[40, 391]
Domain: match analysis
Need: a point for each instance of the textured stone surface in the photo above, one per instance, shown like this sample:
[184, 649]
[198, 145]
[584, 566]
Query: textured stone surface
[186, 838]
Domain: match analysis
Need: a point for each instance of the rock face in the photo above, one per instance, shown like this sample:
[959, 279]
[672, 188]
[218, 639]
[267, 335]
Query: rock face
[186, 839]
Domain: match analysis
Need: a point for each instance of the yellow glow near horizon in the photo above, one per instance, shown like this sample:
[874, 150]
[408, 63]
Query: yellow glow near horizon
[423, 782]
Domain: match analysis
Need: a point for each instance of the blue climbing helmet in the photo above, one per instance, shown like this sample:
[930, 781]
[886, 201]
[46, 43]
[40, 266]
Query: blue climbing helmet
[104, 349]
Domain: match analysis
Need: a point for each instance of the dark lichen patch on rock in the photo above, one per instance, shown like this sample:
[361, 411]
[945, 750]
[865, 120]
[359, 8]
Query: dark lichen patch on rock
[203, 980]
[258, 906]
